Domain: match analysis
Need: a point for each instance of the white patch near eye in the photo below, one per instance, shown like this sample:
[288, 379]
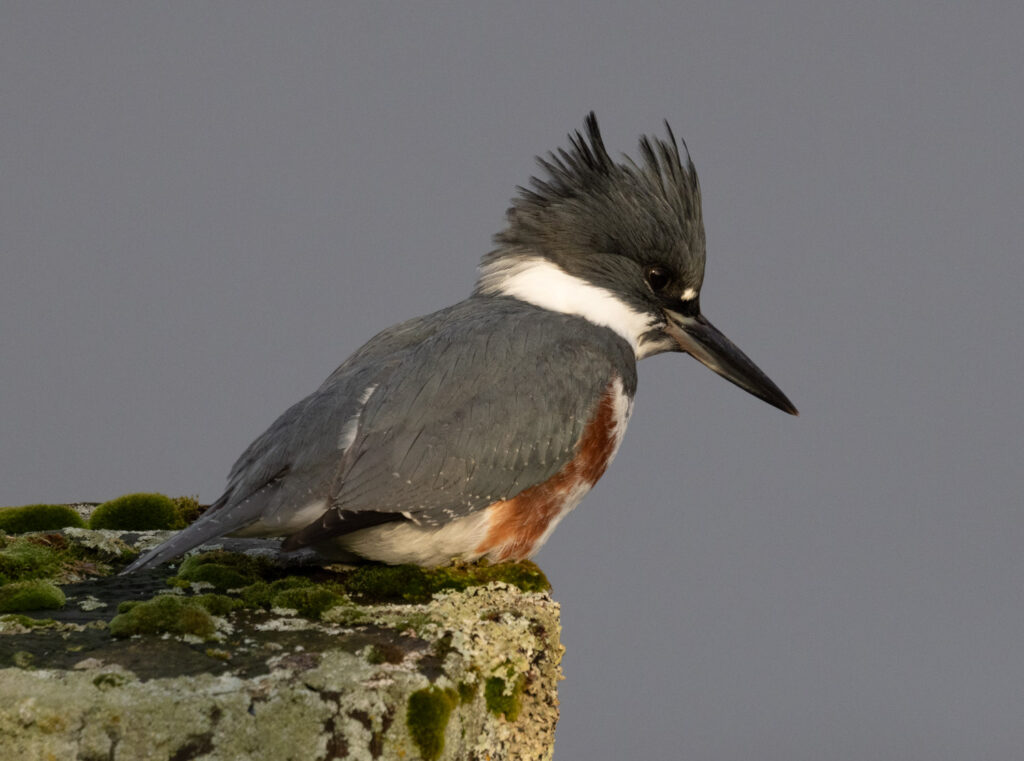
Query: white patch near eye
[688, 295]
[548, 286]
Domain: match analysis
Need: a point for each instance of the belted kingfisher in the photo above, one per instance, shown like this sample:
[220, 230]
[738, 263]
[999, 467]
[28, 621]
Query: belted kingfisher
[471, 432]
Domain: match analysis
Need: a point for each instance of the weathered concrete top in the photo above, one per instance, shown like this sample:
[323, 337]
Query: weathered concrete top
[231, 656]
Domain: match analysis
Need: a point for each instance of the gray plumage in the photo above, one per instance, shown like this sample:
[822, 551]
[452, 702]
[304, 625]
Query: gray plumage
[598, 219]
[436, 419]
[476, 415]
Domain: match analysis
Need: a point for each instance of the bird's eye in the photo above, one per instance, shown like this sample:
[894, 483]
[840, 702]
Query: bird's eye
[658, 278]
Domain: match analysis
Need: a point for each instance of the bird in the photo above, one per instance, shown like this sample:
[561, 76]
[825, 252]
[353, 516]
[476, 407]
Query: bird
[471, 432]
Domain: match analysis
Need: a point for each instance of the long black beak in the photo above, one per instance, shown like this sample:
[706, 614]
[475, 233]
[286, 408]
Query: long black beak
[702, 340]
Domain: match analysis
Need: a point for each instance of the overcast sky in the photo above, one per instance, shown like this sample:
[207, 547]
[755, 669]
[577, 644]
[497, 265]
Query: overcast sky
[204, 208]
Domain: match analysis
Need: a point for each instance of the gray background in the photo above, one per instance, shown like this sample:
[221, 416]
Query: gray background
[204, 208]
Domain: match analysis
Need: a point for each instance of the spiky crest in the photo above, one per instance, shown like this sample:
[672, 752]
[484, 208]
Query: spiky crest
[588, 203]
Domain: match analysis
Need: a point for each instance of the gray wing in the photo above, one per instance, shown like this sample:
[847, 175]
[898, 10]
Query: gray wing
[431, 420]
[478, 413]
[296, 460]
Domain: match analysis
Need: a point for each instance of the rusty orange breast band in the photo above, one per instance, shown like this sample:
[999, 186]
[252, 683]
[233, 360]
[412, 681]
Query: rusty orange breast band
[517, 525]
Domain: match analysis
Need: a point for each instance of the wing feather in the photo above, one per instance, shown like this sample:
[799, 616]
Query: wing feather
[478, 413]
[432, 419]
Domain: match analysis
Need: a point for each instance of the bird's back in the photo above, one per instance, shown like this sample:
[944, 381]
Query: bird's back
[433, 419]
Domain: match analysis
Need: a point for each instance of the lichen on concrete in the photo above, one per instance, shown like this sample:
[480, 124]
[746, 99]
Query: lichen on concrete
[108, 541]
[303, 663]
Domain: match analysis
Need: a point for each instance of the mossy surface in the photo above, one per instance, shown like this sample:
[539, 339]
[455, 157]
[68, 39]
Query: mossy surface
[30, 595]
[218, 605]
[21, 559]
[347, 668]
[250, 580]
[310, 601]
[19, 520]
[165, 613]
[137, 512]
[27, 621]
[263, 594]
[427, 715]
[467, 692]
[384, 652]
[504, 699]
[224, 570]
[412, 584]
[56, 557]
[188, 508]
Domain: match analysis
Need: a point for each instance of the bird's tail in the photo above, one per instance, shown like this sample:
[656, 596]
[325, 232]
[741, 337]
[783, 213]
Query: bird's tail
[211, 524]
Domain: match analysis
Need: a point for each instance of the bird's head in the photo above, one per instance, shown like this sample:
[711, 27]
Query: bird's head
[621, 244]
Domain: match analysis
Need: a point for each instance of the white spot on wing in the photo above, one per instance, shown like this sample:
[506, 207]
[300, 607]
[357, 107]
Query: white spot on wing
[367, 394]
[351, 427]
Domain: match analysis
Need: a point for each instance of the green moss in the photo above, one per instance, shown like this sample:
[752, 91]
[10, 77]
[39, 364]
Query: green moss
[347, 614]
[442, 647]
[19, 520]
[525, 575]
[427, 714]
[310, 601]
[225, 570]
[27, 621]
[218, 605]
[370, 584]
[384, 652]
[298, 593]
[258, 595]
[109, 680]
[417, 622]
[502, 700]
[23, 659]
[30, 595]
[262, 594]
[188, 508]
[54, 557]
[467, 692]
[222, 577]
[387, 583]
[22, 559]
[409, 583]
[242, 575]
[137, 512]
[165, 613]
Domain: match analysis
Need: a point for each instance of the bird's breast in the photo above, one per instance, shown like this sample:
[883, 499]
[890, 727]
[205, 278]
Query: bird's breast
[518, 527]
[515, 528]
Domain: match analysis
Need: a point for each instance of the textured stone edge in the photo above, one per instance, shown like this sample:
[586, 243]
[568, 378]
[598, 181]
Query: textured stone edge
[323, 705]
